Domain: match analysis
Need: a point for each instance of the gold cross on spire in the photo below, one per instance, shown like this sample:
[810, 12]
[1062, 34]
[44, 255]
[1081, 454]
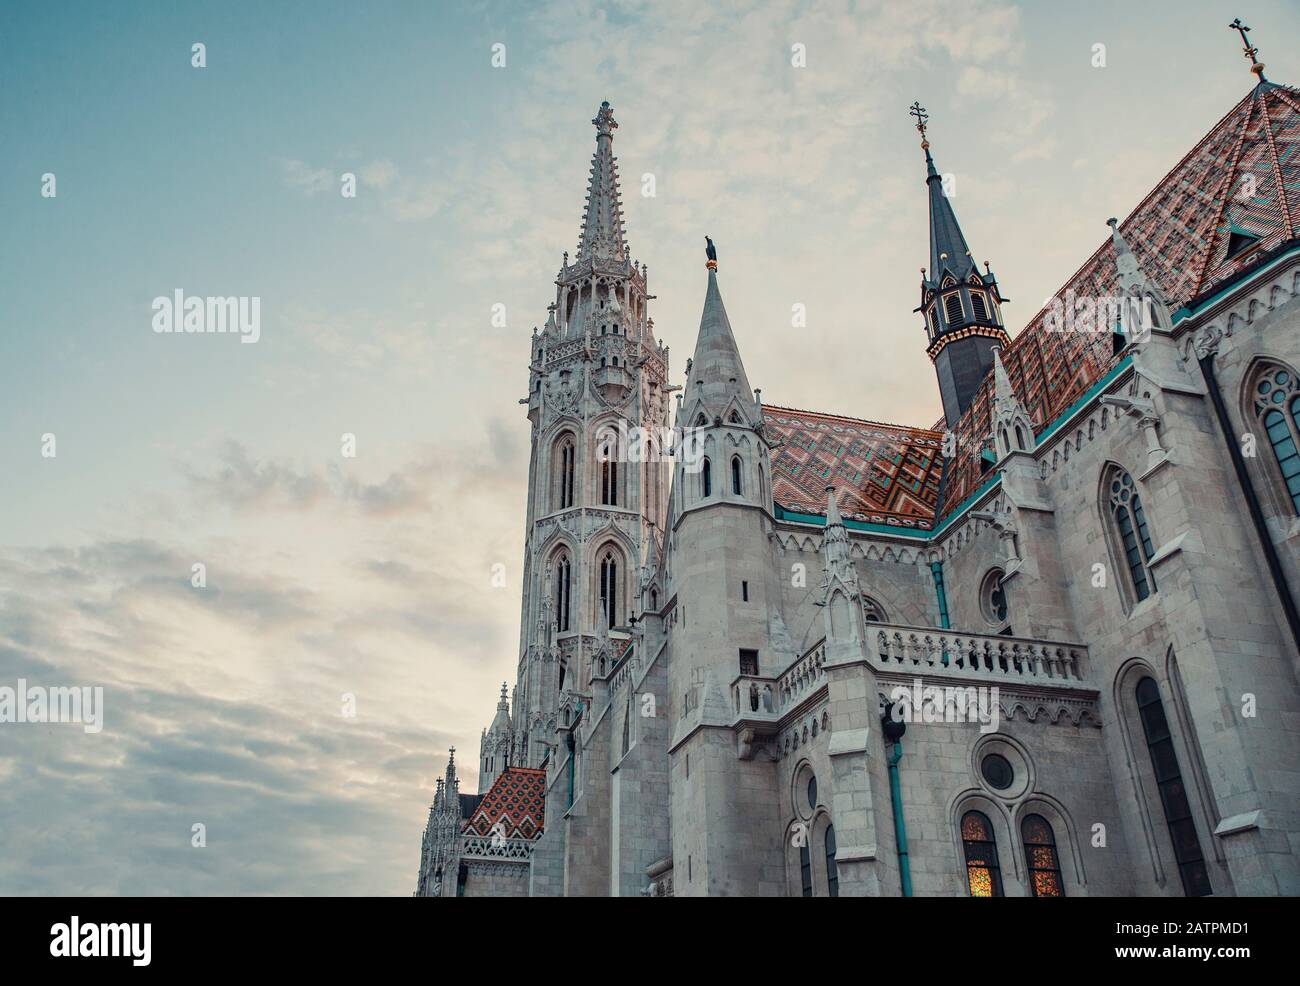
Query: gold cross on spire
[1248, 50]
[918, 111]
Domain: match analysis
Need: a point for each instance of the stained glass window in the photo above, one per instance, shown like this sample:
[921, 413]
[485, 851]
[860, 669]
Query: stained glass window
[1040, 856]
[983, 875]
[1134, 534]
[1277, 405]
[1173, 794]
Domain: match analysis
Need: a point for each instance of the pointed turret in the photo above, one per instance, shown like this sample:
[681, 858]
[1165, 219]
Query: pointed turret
[501, 724]
[835, 545]
[602, 220]
[717, 374]
[961, 306]
[1013, 429]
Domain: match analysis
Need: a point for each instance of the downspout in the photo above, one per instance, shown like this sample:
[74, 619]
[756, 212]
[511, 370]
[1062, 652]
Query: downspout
[1252, 501]
[893, 731]
[936, 569]
[569, 743]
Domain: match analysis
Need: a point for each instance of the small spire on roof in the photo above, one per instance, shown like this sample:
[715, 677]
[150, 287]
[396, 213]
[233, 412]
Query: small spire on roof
[833, 518]
[1248, 50]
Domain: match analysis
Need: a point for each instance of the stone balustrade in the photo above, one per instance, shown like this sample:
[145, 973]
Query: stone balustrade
[919, 650]
[894, 647]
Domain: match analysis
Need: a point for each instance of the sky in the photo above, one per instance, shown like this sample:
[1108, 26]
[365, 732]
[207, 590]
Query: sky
[370, 575]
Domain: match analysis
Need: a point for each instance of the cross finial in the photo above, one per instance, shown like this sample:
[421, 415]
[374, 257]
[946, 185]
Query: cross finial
[1248, 50]
[918, 111]
[604, 121]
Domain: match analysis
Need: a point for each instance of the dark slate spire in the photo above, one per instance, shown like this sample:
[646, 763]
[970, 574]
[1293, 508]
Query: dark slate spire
[961, 306]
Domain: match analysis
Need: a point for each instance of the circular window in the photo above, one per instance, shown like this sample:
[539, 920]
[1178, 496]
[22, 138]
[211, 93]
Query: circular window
[997, 770]
[1002, 767]
[993, 598]
[812, 790]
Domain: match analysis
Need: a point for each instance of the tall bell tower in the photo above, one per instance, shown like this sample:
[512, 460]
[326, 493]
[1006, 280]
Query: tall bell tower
[597, 485]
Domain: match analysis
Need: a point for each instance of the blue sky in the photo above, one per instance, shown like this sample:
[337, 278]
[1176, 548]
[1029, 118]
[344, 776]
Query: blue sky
[370, 575]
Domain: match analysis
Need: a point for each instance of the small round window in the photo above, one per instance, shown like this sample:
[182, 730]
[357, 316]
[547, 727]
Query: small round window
[997, 770]
[812, 790]
[993, 598]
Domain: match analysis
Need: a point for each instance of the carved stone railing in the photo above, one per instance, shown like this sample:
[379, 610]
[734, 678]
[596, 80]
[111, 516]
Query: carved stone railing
[492, 847]
[902, 648]
[755, 697]
[759, 699]
[802, 677]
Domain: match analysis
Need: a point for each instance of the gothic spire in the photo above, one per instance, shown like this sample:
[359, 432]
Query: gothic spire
[716, 371]
[960, 305]
[602, 220]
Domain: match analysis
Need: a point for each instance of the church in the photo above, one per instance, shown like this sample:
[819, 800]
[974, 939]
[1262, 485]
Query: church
[1045, 646]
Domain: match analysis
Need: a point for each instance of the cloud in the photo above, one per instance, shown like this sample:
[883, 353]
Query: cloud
[306, 179]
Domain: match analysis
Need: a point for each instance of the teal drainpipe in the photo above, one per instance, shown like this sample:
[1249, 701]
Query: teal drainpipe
[900, 826]
[936, 569]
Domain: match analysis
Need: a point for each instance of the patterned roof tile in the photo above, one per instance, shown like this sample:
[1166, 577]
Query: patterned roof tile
[1243, 177]
[884, 474]
[514, 807]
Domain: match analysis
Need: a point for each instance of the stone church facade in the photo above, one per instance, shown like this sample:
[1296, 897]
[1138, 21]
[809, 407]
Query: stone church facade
[1047, 646]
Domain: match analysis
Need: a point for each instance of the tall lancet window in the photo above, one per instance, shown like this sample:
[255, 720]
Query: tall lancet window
[1173, 792]
[1134, 535]
[563, 584]
[1041, 858]
[609, 587]
[706, 480]
[983, 875]
[735, 476]
[1276, 399]
[608, 476]
[565, 461]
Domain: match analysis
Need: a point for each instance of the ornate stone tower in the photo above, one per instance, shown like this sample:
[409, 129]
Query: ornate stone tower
[598, 404]
[727, 621]
[961, 306]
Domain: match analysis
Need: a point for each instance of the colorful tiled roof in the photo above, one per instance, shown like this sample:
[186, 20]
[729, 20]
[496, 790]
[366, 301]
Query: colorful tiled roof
[1180, 234]
[883, 474]
[514, 807]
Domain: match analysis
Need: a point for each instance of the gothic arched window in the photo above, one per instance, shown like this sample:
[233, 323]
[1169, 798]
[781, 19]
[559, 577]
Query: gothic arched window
[993, 599]
[563, 585]
[1173, 793]
[1040, 857]
[1276, 402]
[872, 611]
[952, 307]
[609, 587]
[608, 476]
[735, 476]
[805, 869]
[832, 871]
[977, 304]
[706, 479]
[1134, 536]
[565, 460]
[983, 875]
